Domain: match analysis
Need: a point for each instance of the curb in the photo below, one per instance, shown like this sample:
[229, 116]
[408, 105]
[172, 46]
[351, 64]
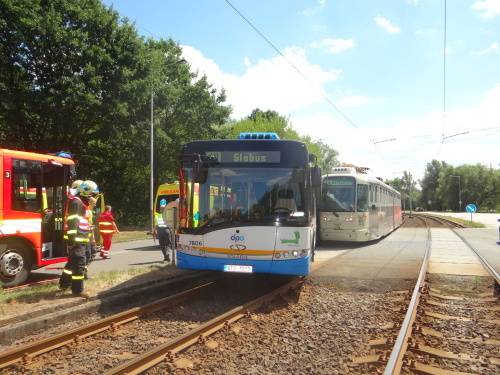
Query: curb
[47, 317]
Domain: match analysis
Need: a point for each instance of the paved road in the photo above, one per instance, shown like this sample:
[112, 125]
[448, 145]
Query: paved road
[382, 265]
[123, 255]
[484, 240]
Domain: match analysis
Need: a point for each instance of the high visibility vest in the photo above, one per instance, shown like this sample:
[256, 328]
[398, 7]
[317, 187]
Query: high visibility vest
[80, 227]
[106, 224]
[159, 221]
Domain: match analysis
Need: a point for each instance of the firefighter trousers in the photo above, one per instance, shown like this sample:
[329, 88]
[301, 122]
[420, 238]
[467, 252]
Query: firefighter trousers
[74, 271]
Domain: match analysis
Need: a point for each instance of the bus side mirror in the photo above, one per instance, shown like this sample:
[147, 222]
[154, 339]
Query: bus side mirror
[316, 177]
[199, 170]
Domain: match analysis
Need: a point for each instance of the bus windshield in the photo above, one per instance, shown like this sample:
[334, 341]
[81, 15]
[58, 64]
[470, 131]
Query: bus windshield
[338, 194]
[246, 195]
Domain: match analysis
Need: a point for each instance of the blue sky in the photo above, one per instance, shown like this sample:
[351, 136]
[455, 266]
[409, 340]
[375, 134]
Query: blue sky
[381, 62]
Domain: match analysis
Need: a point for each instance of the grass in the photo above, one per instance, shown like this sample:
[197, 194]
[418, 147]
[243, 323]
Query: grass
[464, 222]
[97, 283]
[131, 235]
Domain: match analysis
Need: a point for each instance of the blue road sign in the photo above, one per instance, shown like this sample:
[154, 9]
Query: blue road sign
[471, 207]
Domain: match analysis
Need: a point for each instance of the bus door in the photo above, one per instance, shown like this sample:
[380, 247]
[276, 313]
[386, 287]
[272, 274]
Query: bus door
[55, 179]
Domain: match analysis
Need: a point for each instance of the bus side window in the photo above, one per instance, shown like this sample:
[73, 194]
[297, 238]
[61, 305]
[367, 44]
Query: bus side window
[26, 186]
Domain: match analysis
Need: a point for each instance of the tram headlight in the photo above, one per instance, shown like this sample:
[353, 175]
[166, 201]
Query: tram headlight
[349, 218]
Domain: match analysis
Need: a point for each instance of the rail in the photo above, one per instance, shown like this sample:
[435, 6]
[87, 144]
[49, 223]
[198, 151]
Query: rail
[395, 361]
[28, 351]
[169, 349]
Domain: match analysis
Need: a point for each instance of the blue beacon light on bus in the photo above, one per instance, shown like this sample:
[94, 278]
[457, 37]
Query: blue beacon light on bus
[258, 135]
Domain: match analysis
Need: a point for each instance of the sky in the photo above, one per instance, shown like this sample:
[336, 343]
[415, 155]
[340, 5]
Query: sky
[366, 77]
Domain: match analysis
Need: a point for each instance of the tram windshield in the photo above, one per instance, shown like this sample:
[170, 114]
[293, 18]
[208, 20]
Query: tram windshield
[338, 194]
[246, 195]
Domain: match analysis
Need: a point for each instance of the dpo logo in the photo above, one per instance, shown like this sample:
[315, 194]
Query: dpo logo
[237, 238]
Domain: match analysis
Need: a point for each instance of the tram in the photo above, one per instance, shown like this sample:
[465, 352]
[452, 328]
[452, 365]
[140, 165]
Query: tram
[247, 205]
[356, 206]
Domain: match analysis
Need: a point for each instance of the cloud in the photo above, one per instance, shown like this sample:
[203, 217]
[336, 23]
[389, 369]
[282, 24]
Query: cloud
[313, 10]
[418, 138]
[413, 2]
[354, 101]
[333, 45]
[247, 62]
[487, 8]
[386, 25]
[268, 83]
[493, 48]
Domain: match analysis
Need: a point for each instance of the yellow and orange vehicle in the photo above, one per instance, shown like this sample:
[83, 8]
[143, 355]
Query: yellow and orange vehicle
[33, 193]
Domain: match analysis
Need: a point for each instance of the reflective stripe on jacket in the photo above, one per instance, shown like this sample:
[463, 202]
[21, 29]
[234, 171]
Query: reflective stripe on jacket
[77, 221]
[106, 223]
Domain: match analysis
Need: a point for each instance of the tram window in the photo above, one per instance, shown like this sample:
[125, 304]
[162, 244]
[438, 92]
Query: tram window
[26, 185]
[362, 204]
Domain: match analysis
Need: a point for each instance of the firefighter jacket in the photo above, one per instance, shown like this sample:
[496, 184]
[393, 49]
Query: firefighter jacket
[106, 223]
[77, 221]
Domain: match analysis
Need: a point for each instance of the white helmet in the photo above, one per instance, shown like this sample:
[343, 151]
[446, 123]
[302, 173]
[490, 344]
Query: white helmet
[87, 188]
[75, 184]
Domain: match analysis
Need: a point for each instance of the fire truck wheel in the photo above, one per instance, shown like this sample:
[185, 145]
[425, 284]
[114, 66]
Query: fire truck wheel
[15, 265]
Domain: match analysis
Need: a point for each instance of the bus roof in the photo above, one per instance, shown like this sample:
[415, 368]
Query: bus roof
[35, 156]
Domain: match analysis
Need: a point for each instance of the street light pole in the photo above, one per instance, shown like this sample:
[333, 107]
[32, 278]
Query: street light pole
[151, 161]
[459, 193]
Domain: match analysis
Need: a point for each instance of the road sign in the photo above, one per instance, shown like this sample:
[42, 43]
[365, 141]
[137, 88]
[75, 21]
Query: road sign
[471, 207]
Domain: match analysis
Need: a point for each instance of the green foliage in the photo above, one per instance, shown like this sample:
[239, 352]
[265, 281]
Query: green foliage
[75, 77]
[407, 186]
[271, 121]
[478, 184]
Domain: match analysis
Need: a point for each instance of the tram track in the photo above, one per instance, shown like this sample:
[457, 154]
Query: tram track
[114, 340]
[27, 352]
[443, 331]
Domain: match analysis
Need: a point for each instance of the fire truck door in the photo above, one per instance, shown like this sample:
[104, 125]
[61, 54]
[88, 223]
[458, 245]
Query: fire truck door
[55, 179]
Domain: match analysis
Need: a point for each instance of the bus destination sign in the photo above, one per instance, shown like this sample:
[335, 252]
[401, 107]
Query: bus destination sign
[246, 156]
[339, 181]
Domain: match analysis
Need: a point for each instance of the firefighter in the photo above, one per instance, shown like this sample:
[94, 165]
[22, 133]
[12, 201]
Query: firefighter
[77, 232]
[107, 227]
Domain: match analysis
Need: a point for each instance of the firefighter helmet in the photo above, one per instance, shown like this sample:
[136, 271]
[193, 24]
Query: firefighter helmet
[87, 188]
[75, 184]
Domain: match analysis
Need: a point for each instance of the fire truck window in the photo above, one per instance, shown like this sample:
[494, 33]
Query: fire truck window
[27, 186]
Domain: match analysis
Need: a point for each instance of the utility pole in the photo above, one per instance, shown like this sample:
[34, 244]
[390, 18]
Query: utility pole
[459, 193]
[151, 161]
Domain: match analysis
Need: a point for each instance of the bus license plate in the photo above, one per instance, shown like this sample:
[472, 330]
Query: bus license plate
[237, 268]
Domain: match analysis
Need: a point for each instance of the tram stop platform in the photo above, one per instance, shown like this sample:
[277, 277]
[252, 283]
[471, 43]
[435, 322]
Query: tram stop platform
[391, 263]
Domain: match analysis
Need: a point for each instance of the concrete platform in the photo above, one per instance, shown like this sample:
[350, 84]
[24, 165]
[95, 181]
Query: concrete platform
[451, 256]
[391, 261]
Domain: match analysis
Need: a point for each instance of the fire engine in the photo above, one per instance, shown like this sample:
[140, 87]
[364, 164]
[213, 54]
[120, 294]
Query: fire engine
[33, 193]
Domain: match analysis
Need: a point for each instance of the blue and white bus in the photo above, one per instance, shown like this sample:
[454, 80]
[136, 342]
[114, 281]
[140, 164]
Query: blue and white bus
[247, 205]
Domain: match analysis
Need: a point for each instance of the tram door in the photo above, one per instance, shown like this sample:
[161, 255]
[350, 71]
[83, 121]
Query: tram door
[374, 209]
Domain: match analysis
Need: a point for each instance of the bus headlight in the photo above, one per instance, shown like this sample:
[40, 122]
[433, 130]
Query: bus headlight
[295, 253]
[285, 254]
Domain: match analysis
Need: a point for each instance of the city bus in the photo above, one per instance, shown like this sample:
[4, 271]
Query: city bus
[247, 205]
[356, 206]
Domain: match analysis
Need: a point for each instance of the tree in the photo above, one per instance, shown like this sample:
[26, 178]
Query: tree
[429, 185]
[75, 77]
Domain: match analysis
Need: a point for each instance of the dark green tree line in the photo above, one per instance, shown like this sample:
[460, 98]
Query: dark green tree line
[443, 185]
[74, 76]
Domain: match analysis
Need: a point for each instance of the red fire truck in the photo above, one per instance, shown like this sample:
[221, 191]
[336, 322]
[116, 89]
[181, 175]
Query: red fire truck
[33, 193]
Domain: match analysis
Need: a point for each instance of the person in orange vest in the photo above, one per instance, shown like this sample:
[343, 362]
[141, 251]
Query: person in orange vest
[107, 227]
